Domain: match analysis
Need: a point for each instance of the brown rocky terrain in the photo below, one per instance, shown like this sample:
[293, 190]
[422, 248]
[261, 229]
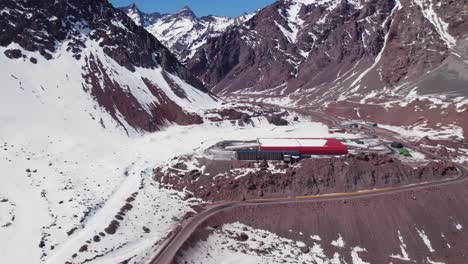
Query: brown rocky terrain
[320, 49]
[410, 226]
[243, 180]
[342, 55]
[419, 113]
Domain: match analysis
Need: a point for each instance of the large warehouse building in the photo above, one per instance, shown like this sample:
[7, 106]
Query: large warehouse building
[286, 148]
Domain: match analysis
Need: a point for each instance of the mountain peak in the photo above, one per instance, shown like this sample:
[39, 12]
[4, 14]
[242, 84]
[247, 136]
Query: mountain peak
[132, 6]
[186, 12]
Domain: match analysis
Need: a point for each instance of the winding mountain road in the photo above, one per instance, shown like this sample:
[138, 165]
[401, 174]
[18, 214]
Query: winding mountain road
[176, 240]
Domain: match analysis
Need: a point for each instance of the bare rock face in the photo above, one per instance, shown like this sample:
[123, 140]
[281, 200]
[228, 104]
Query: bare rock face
[400, 60]
[49, 26]
[277, 42]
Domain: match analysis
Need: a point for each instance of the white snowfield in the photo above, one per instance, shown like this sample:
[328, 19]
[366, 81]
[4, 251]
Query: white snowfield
[65, 176]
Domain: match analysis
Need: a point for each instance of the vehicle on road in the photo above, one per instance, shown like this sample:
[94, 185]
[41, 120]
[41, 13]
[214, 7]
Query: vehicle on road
[333, 130]
[370, 124]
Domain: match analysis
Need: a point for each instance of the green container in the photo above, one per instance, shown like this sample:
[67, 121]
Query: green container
[405, 152]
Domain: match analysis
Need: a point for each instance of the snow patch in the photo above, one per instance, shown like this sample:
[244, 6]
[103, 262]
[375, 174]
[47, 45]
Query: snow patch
[355, 255]
[339, 242]
[404, 254]
[433, 262]
[316, 238]
[427, 8]
[425, 239]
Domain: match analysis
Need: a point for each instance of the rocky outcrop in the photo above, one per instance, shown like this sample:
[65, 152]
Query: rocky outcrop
[245, 112]
[239, 180]
[13, 53]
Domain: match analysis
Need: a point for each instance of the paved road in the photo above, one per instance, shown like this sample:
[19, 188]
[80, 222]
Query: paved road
[176, 240]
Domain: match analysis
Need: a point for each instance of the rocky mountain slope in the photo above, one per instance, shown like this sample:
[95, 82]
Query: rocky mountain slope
[360, 59]
[246, 180]
[182, 32]
[335, 48]
[422, 226]
[98, 52]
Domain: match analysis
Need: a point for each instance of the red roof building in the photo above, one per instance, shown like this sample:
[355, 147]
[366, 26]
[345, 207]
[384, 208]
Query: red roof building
[304, 146]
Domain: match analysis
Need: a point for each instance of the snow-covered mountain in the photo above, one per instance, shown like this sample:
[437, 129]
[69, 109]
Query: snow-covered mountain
[183, 32]
[355, 54]
[103, 56]
[309, 44]
[140, 18]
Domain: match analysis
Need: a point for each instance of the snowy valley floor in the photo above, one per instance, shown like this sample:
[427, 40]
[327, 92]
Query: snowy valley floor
[65, 190]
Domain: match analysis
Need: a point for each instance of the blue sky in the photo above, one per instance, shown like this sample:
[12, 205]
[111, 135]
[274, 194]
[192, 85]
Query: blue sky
[230, 8]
